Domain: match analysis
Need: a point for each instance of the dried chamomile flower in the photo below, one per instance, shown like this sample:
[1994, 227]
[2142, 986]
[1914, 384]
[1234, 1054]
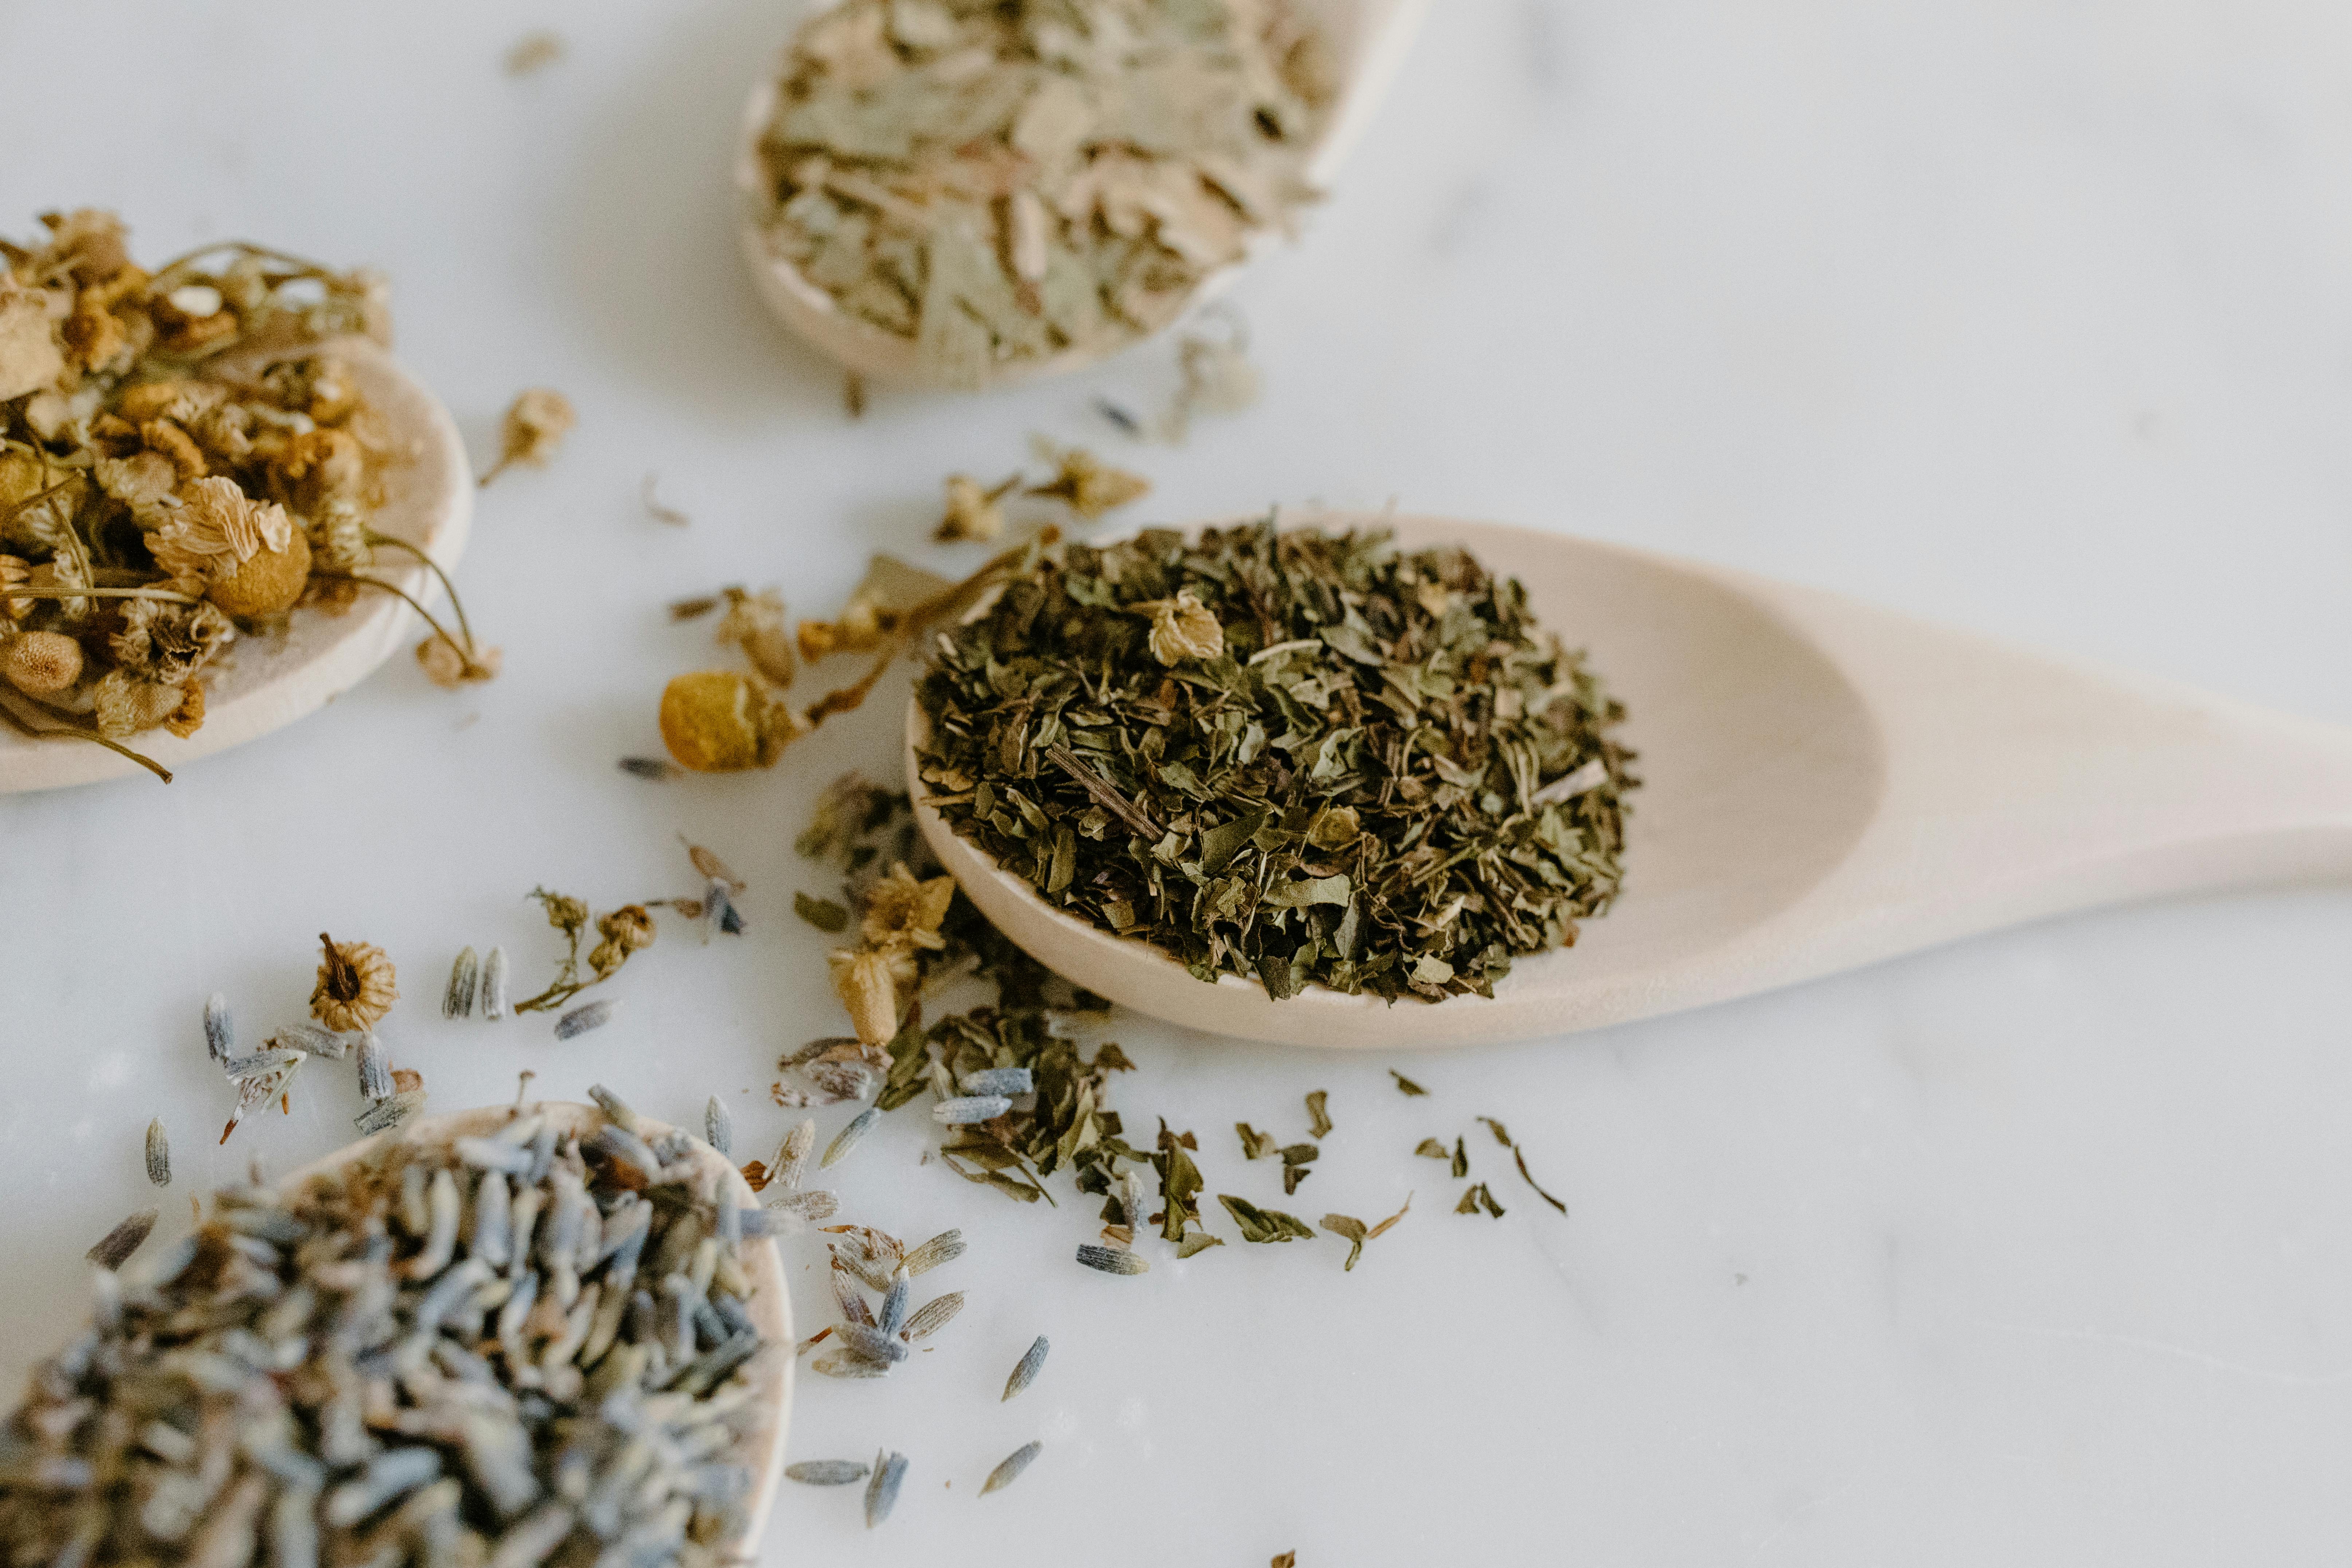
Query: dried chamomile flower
[716, 721]
[357, 985]
[1182, 628]
[903, 911]
[216, 531]
[1089, 486]
[122, 704]
[867, 985]
[755, 622]
[972, 513]
[14, 574]
[30, 358]
[1218, 378]
[448, 666]
[40, 663]
[534, 428]
[626, 930]
[165, 642]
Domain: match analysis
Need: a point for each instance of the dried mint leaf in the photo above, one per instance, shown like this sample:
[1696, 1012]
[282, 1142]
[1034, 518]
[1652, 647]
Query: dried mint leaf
[823, 914]
[1264, 1225]
[1353, 787]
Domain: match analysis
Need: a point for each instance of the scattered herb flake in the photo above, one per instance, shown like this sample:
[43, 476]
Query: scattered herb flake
[1264, 1225]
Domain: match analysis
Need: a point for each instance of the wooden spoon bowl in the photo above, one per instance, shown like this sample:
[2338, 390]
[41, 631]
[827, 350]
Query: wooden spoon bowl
[1368, 39]
[264, 683]
[1824, 784]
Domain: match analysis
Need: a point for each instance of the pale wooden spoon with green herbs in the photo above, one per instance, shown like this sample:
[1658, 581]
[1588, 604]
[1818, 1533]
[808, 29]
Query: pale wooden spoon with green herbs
[1824, 784]
[761, 1452]
[1369, 40]
[266, 682]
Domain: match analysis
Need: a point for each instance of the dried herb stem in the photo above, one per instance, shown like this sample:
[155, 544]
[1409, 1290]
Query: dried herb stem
[166, 595]
[919, 617]
[1105, 792]
[456, 604]
[463, 650]
[72, 732]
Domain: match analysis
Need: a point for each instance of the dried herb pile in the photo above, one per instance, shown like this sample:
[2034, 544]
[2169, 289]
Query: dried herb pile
[1294, 756]
[528, 1348]
[1001, 182]
[183, 457]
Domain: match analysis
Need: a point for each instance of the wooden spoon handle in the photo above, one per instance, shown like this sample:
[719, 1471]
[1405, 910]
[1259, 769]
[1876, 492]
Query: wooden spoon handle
[2015, 787]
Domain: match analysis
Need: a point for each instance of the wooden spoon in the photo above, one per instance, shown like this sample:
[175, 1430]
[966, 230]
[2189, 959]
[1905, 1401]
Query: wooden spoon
[1824, 785]
[771, 1308]
[264, 683]
[1369, 40]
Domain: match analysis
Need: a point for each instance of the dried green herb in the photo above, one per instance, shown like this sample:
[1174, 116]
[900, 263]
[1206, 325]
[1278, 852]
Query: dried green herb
[1404, 1085]
[1478, 1197]
[1294, 756]
[1264, 1225]
[1180, 1186]
[997, 184]
[1461, 1159]
[1519, 1157]
[1318, 1121]
[1256, 1145]
[1295, 1161]
[1431, 1149]
[823, 914]
[1357, 1234]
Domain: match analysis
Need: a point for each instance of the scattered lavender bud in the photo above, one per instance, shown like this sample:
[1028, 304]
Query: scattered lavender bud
[972, 1107]
[586, 1016]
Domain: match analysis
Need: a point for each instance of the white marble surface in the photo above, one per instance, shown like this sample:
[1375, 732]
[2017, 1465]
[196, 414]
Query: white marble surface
[2030, 318]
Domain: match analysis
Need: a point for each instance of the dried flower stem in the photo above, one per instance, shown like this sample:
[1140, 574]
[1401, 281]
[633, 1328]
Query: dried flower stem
[464, 650]
[37, 497]
[71, 730]
[919, 617]
[456, 604]
[162, 282]
[166, 595]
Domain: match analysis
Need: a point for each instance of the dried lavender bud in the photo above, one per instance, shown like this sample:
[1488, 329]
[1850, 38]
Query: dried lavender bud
[115, 1247]
[616, 1111]
[655, 768]
[1005, 1473]
[849, 1366]
[893, 1315]
[458, 1002]
[220, 1028]
[159, 1154]
[1032, 1361]
[1006, 1081]
[315, 1039]
[1112, 1260]
[586, 1016]
[375, 1069]
[933, 1315]
[808, 1206]
[843, 1081]
[791, 1155]
[389, 1112]
[872, 1342]
[494, 984]
[969, 1109]
[719, 1127]
[848, 1137]
[826, 1472]
[944, 1248]
[717, 906]
[882, 1491]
